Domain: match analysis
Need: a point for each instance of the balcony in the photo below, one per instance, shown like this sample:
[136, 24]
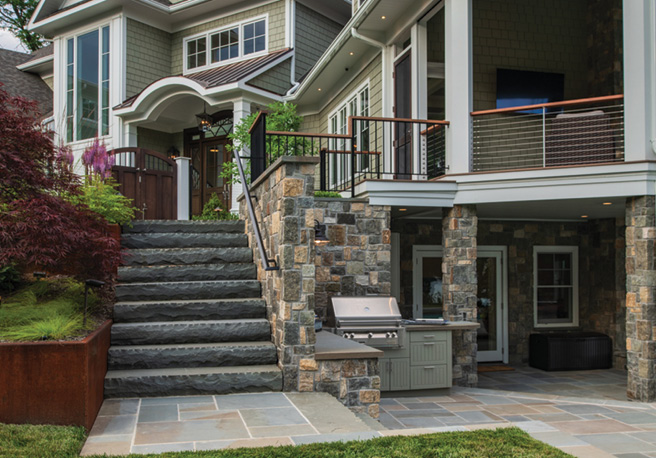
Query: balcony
[561, 134]
[372, 149]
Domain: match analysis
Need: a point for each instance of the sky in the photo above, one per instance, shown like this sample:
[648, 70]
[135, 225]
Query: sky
[8, 41]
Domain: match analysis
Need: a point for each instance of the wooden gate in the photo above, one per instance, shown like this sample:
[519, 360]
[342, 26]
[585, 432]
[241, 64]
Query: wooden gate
[148, 178]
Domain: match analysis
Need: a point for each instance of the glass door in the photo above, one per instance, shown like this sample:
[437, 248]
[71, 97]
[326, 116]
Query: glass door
[214, 156]
[490, 300]
[427, 282]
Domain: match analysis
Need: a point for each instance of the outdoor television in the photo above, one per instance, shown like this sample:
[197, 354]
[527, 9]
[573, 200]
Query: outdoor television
[517, 88]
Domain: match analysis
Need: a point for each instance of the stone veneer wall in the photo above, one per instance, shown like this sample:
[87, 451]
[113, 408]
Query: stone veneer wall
[354, 382]
[601, 272]
[641, 297]
[357, 260]
[282, 197]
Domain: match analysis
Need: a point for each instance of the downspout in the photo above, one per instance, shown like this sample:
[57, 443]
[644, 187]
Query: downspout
[652, 33]
[292, 73]
[371, 41]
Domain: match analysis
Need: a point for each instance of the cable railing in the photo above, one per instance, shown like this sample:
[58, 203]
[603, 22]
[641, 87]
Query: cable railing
[372, 148]
[574, 132]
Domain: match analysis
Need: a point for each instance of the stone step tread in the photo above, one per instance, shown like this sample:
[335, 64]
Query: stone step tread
[199, 282]
[189, 290]
[188, 272]
[201, 346]
[187, 302]
[184, 226]
[189, 323]
[178, 371]
[185, 256]
[169, 267]
[183, 240]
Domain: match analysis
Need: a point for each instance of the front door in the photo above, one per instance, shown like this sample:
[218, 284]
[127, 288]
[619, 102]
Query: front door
[491, 336]
[207, 158]
[403, 110]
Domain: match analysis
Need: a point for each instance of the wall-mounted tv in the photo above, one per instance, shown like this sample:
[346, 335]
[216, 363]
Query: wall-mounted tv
[516, 88]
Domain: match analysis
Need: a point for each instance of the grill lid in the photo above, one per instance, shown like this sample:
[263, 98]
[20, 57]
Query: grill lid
[365, 309]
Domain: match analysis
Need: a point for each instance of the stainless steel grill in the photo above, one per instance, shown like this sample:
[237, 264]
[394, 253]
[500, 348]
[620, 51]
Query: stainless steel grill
[371, 320]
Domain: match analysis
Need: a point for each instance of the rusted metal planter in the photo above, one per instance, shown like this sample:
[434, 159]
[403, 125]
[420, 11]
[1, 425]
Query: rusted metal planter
[57, 383]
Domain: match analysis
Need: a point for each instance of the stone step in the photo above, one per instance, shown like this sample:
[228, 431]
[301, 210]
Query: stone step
[209, 309]
[181, 332]
[178, 256]
[183, 240]
[220, 289]
[190, 381]
[198, 227]
[191, 355]
[192, 272]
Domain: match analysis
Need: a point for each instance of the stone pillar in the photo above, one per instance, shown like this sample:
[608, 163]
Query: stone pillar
[459, 286]
[283, 195]
[641, 298]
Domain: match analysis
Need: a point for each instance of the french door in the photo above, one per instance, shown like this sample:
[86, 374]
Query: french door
[492, 335]
[207, 158]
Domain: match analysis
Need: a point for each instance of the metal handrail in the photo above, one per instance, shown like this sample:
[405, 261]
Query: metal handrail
[267, 264]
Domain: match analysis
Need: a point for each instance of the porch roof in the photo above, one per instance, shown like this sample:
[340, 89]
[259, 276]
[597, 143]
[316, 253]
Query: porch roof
[219, 76]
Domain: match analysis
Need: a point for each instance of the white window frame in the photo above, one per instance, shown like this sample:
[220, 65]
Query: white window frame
[336, 165]
[208, 44]
[64, 65]
[573, 251]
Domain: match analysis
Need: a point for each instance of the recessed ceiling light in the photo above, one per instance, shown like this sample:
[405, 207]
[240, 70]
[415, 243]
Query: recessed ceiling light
[383, 17]
[584, 216]
[607, 203]
[403, 209]
[319, 89]
[351, 53]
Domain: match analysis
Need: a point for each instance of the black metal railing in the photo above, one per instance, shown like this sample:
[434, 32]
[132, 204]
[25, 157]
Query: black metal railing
[373, 148]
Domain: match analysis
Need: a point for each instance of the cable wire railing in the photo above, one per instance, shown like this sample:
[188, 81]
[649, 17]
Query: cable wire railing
[574, 132]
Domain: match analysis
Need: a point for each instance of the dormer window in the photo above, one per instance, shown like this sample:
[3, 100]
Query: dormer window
[233, 43]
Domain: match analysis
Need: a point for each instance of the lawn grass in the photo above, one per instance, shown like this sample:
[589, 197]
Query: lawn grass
[45, 310]
[65, 442]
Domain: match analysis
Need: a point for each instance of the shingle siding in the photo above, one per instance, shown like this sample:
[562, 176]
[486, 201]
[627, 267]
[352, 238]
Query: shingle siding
[314, 33]
[159, 141]
[276, 30]
[148, 56]
[276, 80]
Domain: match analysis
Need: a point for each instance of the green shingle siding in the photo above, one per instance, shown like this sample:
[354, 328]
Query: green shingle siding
[276, 80]
[158, 141]
[148, 56]
[314, 33]
[276, 30]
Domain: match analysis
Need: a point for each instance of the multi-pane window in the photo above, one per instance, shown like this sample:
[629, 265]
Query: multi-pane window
[357, 105]
[87, 85]
[225, 45]
[556, 286]
[196, 52]
[254, 37]
[236, 41]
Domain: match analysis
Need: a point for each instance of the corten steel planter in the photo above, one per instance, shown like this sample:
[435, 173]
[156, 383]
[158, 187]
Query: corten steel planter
[56, 383]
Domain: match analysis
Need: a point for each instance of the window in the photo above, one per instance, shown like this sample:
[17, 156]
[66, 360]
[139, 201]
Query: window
[87, 85]
[357, 105]
[234, 42]
[555, 291]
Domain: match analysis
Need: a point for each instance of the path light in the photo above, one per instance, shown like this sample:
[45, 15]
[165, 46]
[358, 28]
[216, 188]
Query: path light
[95, 284]
[39, 275]
[320, 238]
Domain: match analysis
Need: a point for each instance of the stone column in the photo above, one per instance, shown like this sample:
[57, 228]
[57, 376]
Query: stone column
[459, 286]
[641, 298]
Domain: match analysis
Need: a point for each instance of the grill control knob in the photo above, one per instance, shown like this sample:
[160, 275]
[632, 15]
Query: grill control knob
[371, 335]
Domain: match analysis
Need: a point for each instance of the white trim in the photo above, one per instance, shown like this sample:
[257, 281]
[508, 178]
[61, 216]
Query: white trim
[35, 63]
[419, 252]
[565, 249]
[208, 48]
[499, 252]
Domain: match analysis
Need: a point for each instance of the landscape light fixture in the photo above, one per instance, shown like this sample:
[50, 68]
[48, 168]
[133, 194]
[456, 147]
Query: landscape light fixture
[39, 275]
[205, 121]
[320, 238]
[94, 284]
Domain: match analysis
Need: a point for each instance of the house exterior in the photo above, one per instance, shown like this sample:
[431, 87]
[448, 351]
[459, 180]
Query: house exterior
[505, 148]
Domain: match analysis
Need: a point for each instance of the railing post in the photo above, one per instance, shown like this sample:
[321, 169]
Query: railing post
[544, 137]
[258, 147]
[322, 170]
[353, 145]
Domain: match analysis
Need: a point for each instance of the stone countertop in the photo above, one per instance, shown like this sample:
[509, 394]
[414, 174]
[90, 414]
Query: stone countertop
[451, 326]
[332, 346]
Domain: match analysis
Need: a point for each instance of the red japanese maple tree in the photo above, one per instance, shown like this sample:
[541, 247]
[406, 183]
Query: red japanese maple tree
[38, 226]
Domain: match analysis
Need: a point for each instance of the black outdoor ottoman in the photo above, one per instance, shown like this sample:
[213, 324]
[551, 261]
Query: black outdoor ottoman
[570, 351]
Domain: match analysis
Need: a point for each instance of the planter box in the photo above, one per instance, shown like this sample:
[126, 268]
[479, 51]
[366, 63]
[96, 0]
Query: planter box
[57, 383]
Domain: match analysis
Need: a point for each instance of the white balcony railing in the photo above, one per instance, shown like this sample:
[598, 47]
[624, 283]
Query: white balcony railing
[574, 132]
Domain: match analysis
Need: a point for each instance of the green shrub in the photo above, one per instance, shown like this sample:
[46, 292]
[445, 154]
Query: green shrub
[54, 327]
[102, 197]
[214, 210]
[9, 279]
[331, 194]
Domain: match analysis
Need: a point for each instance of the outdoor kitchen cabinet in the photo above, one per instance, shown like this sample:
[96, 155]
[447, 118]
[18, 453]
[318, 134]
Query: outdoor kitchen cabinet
[423, 363]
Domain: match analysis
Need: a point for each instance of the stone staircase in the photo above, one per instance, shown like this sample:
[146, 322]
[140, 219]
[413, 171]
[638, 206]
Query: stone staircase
[189, 317]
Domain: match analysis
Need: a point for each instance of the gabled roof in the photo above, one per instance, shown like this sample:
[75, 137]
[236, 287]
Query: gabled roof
[219, 76]
[27, 85]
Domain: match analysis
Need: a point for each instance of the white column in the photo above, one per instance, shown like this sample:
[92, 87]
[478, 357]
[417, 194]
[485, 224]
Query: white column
[129, 136]
[184, 187]
[639, 17]
[388, 110]
[458, 83]
[419, 89]
[241, 109]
